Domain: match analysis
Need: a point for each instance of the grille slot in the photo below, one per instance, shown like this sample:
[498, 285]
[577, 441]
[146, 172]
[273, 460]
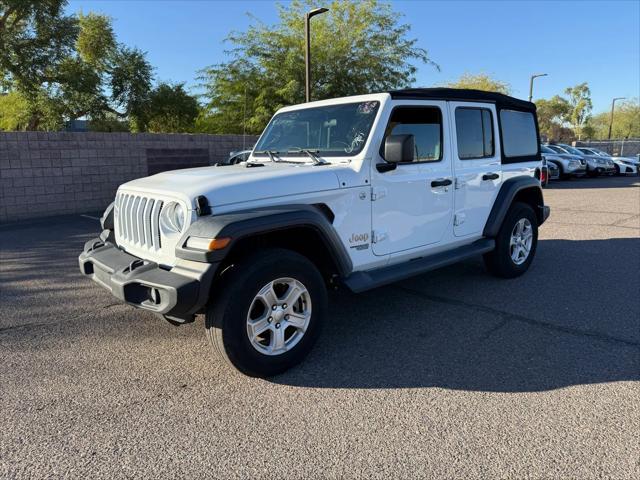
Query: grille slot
[138, 220]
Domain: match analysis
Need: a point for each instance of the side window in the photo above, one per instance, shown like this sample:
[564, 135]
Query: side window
[474, 129]
[425, 124]
[518, 133]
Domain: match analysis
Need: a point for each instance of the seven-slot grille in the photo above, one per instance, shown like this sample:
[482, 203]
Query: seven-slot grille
[137, 220]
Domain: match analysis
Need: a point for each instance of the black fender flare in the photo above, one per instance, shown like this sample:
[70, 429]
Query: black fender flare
[508, 192]
[246, 223]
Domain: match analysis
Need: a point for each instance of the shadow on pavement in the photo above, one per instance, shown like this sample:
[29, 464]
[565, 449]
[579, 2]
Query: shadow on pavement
[597, 182]
[545, 330]
[573, 319]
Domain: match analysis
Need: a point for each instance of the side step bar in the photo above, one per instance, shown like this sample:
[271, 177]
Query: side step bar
[361, 281]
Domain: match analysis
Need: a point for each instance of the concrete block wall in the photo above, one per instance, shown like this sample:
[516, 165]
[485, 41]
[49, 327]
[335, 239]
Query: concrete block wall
[55, 173]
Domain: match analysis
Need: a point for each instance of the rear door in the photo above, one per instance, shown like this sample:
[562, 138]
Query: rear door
[476, 163]
[412, 204]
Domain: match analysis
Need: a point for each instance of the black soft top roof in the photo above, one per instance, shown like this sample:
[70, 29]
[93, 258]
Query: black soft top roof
[461, 94]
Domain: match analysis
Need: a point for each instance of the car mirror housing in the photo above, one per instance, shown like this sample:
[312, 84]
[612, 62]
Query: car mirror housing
[399, 148]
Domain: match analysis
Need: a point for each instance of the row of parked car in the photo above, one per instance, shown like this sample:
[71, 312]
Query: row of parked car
[561, 161]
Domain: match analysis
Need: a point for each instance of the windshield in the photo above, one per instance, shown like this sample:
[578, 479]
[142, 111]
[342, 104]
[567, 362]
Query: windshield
[570, 149]
[334, 130]
[557, 149]
[546, 149]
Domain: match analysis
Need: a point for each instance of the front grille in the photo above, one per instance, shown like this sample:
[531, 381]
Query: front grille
[138, 220]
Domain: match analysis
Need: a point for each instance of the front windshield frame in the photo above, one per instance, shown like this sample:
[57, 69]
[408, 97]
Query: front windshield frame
[373, 106]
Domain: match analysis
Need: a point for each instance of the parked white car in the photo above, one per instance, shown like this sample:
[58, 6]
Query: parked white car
[623, 165]
[359, 192]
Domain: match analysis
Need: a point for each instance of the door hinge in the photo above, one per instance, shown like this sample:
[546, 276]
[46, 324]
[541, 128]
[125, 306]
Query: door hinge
[459, 218]
[378, 193]
[377, 237]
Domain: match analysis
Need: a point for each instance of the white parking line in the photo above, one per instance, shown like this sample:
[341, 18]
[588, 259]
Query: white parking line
[89, 216]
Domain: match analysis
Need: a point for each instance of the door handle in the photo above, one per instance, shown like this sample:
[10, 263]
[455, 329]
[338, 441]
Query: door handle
[490, 176]
[441, 182]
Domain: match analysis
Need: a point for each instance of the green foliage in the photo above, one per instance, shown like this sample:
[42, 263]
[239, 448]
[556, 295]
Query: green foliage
[14, 111]
[626, 122]
[96, 42]
[63, 65]
[131, 77]
[35, 36]
[171, 109]
[481, 81]
[356, 48]
[579, 98]
[552, 114]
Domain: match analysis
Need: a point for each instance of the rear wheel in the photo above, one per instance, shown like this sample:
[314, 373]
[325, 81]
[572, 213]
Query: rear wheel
[269, 313]
[516, 243]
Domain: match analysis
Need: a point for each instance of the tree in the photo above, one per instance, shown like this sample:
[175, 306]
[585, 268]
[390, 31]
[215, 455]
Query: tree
[131, 77]
[481, 81]
[552, 115]
[626, 122]
[63, 65]
[581, 106]
[14, 111]
[171, 109]
[357, 47]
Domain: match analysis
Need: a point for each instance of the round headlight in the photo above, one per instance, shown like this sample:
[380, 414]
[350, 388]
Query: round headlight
[173, 217]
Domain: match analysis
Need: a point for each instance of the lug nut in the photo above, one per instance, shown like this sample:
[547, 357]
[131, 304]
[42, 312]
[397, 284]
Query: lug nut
[287, 317]
[284, 305]
[270, 319]
[277, 325]
[273, 307]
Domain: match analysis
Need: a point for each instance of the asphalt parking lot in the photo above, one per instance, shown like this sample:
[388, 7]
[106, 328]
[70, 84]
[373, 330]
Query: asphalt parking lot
[454, 374]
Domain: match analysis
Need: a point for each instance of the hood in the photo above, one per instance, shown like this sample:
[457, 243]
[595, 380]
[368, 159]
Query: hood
[236, 183]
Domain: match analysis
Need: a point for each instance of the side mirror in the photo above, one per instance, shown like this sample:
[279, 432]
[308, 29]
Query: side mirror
[399, 148]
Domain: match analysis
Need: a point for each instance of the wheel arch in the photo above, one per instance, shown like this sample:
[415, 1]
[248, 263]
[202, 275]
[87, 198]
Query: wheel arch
[305, 229]
[520, 189]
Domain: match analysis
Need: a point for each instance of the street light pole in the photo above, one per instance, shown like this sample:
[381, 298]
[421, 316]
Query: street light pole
[307, 51]
[613, 105]
[531, 83]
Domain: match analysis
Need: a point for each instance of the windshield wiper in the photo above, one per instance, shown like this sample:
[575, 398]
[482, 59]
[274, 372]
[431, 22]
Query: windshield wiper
[272, 154]
[313, 154]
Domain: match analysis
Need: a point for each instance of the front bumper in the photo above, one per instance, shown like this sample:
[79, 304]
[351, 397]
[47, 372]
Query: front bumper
[577, 170]
[177, 293]
[545, 211]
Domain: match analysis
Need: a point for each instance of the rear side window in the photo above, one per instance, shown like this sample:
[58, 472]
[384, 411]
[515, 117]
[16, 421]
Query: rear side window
[474, 129]
[425, 124]
[519, 136]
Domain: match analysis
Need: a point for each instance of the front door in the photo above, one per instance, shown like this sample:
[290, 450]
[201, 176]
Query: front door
[413, 204]
[477, 166]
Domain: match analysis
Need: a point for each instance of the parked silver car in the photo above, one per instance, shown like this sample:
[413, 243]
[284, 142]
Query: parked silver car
[596, 165]
[623, 165]
[568, 165]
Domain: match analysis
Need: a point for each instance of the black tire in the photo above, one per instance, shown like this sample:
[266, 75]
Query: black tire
[617, 170]
[563, 176]
[226, 316]
[499, 261]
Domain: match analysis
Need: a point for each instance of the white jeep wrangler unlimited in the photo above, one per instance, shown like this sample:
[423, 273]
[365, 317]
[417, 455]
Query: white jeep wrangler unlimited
[359, 191]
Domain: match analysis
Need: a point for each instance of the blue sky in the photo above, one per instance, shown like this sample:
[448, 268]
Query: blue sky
[575, 41]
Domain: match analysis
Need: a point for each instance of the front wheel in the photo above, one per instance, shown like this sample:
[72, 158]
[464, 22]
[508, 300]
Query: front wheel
[269, 313]
[516, 243]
